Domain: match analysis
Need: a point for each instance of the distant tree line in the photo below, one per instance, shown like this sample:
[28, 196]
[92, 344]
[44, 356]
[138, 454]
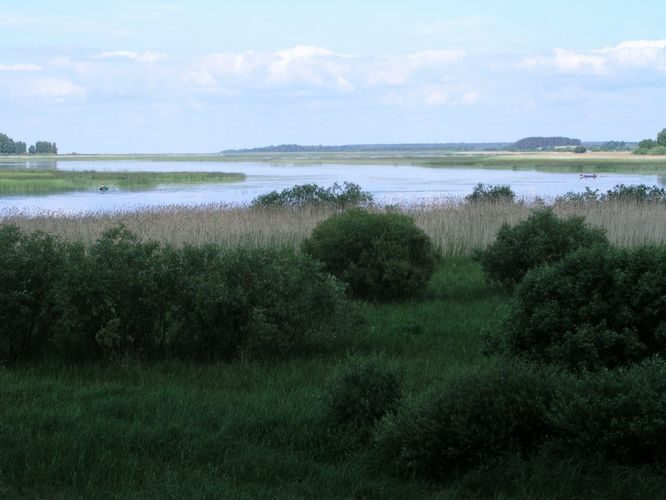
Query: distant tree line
[650, 146]
[374, 148]
[10, 147]
[545, 142]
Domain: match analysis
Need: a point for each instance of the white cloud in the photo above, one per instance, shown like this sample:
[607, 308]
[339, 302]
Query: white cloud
[296, 66]
[471, 97]
[643, 54]
[56, 88]
[19, 68]
[147, 57]
[398, 70]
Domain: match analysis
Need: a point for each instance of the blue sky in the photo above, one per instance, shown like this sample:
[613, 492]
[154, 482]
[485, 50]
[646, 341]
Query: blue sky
[202, 76]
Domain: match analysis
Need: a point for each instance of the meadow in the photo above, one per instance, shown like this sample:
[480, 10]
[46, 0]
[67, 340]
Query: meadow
[36, 182]
[253, 428]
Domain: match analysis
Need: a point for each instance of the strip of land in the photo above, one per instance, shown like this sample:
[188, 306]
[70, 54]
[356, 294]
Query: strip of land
[20, 181]
[544, 161]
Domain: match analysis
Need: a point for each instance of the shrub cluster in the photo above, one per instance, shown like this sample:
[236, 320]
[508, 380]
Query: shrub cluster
[123, 297]
[640, 193]
[484, 193]
[382, 256]
[474, 419]
[540, 239]
[348, 195]
[597, 307]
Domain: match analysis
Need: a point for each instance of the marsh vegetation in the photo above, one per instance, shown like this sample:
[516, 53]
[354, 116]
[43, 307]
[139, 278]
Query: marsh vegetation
[199, 352]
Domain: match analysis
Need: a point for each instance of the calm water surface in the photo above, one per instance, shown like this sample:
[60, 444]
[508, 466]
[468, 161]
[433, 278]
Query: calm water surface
[388, 183]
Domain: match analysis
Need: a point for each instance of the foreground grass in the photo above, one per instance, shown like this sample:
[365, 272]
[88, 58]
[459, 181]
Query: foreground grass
[253, 430]
[29, 181]
[457, 228]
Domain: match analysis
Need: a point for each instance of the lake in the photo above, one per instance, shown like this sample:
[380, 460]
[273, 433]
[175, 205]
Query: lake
[388, 183]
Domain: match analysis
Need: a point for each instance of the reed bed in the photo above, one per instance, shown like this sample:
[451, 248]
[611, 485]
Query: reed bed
[457, 227]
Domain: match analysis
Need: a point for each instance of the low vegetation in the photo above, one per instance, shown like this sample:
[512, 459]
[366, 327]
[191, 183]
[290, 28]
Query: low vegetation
[29, 181]
[139, 368]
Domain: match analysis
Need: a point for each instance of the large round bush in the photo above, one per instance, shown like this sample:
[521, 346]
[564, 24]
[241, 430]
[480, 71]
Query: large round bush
[475, 419]
[382, 256]
[541, 238]
[597, 307]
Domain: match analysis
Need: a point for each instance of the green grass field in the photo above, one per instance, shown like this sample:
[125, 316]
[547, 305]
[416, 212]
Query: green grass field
[29, 181]
[251, 429]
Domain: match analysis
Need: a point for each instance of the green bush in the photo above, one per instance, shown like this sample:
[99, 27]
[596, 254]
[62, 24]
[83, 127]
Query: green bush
[540, 239]
[255, 302]
[597, 307]
[30, 266]
[348, 195]
[483, 193]
[475, 419]
[382, 256]
[639, 193]
[617, 415]
[113, 299]
[361, 393]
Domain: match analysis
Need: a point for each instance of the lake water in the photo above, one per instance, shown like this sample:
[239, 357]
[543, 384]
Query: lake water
[388, 183]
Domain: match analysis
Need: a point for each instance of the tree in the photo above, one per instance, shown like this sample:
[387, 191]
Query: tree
[580, 150]
[31, 150]
[661, 138]
[647, 144]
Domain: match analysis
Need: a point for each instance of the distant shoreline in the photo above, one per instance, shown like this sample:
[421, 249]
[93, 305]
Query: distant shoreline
[597, 161]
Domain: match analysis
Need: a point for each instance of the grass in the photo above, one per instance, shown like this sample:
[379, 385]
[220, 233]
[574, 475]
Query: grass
[458, 228]
[252, 429]
[32, 181]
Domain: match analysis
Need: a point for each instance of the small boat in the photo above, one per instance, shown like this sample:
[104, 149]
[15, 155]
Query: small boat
[588, 176]
[104, 188]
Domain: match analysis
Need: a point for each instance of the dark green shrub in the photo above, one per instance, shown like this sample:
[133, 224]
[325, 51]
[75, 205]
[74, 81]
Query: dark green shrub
[474, 419]
[382, 256]
[361, 393]
[597, 307]
[254, 302]
[540, 239]
[348, 195]
[113, 299]
[484, 193]
[618, 415]
[30, 266]
[639, 193]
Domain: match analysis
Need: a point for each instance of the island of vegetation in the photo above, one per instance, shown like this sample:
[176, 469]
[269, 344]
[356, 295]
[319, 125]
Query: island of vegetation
[18, 181]
[10, 147]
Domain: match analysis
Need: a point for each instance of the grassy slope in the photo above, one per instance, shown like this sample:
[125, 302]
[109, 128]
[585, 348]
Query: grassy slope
[29, 181]
[249, 430]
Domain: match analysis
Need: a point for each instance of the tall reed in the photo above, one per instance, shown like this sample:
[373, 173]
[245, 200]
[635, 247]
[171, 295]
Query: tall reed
[457, 227]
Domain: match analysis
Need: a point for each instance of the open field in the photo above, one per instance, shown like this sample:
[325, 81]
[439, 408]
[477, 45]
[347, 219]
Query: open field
[546, 161]
[29, 181]
[458, 228]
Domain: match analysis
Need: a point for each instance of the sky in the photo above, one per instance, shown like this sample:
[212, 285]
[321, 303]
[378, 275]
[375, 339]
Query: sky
[201, 76]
